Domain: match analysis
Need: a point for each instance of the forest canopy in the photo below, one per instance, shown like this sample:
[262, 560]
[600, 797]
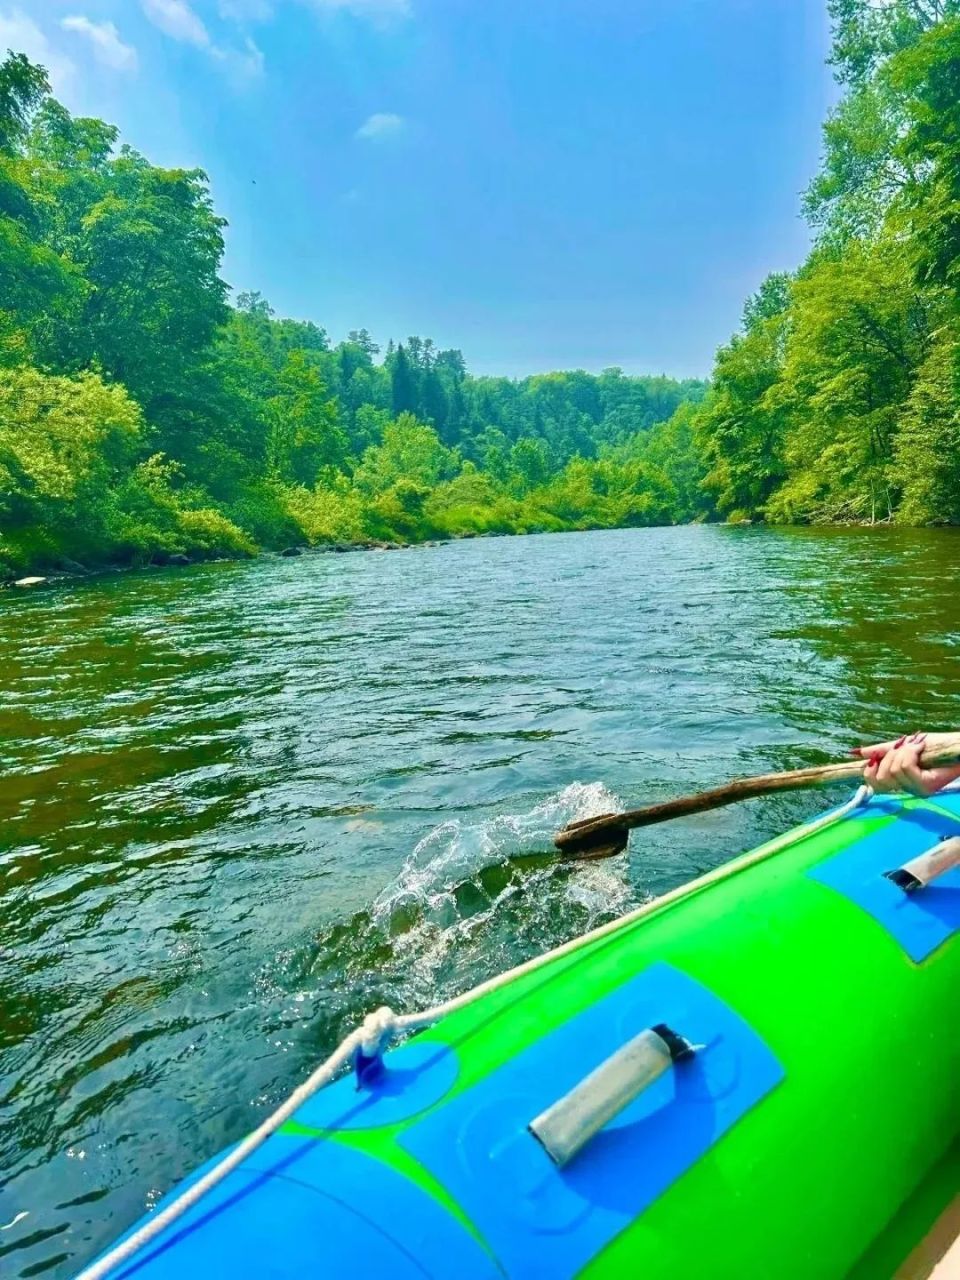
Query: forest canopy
[145, 412]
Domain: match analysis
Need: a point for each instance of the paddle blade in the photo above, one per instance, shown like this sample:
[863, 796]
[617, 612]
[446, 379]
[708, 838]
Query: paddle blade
[591, 845]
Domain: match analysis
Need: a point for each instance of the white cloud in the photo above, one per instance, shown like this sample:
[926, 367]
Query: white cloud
[176, 19]
[22, 35]
[108, 48]
[245, 63]
[381, 125]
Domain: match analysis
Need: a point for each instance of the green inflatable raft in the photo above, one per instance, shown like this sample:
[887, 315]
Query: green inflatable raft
[758, 1077]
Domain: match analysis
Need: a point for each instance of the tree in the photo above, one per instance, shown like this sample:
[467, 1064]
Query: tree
[927, 453]
[305, 436]
[930, 78]
[403, 387]
[867, 33]
[859, 331]
[63, 444]
[148, 244]
[23, 85]
[36, 283]
[435, 405]
[864, 167]
[530, 462]
[361, 338]
[742, 424]
[672, 449]
[409, 450]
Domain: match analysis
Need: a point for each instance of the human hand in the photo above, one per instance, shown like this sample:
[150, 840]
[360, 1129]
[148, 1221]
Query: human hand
[895, 766]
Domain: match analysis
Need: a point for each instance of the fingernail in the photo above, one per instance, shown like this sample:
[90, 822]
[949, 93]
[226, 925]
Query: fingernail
[875, 759]
[855, 751]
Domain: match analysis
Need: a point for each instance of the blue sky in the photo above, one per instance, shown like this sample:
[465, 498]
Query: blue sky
[542, 183]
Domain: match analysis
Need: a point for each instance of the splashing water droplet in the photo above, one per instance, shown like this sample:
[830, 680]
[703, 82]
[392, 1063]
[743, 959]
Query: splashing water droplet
[456, 850]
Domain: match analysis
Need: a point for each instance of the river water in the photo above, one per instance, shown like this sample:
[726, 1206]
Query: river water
[241, 804]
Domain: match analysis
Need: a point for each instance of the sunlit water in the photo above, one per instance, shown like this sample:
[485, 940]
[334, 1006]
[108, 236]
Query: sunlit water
[243, 803]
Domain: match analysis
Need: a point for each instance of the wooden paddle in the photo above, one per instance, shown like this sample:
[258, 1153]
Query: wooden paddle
[607, 835]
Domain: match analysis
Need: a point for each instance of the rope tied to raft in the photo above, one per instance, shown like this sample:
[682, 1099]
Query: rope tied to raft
[377, 1030]
[364, 1046]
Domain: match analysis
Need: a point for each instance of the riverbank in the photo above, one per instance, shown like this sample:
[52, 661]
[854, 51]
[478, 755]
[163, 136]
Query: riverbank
[60, 570]
[64, 571]
[71, 571]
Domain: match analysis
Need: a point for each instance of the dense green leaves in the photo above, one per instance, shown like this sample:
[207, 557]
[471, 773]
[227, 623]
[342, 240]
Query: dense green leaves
[926, 465]
[841, 403]
[22, 88]
[930, 76]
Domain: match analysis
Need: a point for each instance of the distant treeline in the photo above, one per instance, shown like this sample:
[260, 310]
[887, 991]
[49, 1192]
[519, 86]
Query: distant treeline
[142, 415]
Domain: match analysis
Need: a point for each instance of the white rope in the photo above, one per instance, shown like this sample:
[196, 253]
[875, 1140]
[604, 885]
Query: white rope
[381, 1026]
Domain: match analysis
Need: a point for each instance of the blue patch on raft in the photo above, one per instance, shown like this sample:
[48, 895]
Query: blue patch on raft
[414, 1077]
[311, 1207]
[543, 1221]
[921, 921]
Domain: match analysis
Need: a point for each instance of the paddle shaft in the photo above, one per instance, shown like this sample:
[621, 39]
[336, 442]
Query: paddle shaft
[611, 828]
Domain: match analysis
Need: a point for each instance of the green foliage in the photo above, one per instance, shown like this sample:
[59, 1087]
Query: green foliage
[69, 486]
[304, 435]
[741, 426]
[929, 76]
[64, 443]
[408, 451]
[334, 513]
[22, 88]
[858, 333]
[842, 403]
[673, 449]
[151, 515]
[927, 454]
[141, 416]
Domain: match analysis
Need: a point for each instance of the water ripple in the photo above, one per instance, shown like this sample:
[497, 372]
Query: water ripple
[241, 804]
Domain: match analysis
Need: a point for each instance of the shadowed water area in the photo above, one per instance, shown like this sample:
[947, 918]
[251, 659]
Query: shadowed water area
[241, 804]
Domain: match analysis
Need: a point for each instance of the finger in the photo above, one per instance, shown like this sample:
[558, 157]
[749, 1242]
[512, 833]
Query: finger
[915, 782]
[912, 766]
[904, 756]
[870, 772]
[886, 769]
[878, 748]
[905, 769]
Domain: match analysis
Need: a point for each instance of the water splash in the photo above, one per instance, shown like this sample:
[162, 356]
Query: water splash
[473, 899]
[457, 851]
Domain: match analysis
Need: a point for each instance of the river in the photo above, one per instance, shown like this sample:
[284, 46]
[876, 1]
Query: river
[241, 804]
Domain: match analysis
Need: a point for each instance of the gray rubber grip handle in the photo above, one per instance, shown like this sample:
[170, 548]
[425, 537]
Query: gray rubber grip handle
[568, 1124]
[926, 867]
